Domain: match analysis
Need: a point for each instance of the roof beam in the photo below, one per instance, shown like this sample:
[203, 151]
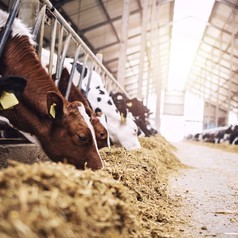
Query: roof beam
[230, 4]
[59, 3]
[77, 30]
[109, 19]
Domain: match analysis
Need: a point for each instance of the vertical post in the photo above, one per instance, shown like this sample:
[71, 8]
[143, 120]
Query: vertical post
[231, 72]
[218, 89]
[52, 45]
[142, 48]
[123, 43]
[155, 62]
[158, 104]
[209, 76]
[28, 11]
[217, 103]
[158, 87]
[100, 57]
[97, 68]
[153, 48]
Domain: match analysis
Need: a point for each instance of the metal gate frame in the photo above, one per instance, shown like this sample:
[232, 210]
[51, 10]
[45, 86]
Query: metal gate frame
[67, 35]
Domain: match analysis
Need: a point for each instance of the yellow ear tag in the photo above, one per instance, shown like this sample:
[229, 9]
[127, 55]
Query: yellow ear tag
[129, 104]
[123, 119]
[8, 100]
[52, 110]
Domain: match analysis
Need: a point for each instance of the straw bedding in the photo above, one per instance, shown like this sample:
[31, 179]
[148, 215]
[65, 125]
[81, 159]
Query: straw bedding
[221, 146]
[126, 199]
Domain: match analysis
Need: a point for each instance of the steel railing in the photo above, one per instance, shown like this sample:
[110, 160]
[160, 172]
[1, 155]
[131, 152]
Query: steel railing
[62, 35]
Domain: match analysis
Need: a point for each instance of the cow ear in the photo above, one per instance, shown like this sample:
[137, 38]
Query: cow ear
[79, 68]
[13, 84]
[55, 105]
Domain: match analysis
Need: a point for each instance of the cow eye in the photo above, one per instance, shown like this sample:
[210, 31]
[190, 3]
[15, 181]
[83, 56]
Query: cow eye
[83, 139]
[102, 134]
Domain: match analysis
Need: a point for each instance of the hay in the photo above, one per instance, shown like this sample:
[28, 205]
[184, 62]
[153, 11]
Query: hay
[145, 173]
[126, 199]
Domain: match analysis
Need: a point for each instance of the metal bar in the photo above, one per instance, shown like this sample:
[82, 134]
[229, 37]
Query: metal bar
[80, 41]
[60, 43]
[72, 72]
[41, 38]
[7, 29]
[60, 68]
[83, 70]
[40, 18]
[52, 46]
[89, 78]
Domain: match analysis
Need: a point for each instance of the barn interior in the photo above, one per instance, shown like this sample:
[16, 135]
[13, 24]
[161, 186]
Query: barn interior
[166, 53]
[179, 57]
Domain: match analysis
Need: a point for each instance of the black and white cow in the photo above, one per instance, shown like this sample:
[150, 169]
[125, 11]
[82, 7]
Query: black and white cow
[122, 130]
[139, 111]
[228, 135]
[233, 139]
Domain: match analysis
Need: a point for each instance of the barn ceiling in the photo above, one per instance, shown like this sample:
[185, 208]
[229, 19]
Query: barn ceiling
[214, 71]
[99, 24]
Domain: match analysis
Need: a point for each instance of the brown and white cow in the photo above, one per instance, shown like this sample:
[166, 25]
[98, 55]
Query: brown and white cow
[62, 128]
[101, 132]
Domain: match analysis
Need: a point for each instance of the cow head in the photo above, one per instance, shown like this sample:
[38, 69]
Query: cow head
[125, 133]
[122, 132]
[76, 95]
[62, 128]
[100, 132]
[72, 137]
[137, 108]
[120, 101]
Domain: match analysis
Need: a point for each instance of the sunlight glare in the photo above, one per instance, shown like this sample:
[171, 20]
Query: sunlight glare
[186, 36]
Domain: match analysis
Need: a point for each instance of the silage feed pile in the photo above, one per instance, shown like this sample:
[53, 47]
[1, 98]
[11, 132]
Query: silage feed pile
[126, 199]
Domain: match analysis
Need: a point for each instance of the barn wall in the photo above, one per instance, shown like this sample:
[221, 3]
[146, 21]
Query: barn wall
[209, 118]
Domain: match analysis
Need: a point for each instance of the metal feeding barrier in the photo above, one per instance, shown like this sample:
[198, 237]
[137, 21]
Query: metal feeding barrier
[7, 29]
[63, 36]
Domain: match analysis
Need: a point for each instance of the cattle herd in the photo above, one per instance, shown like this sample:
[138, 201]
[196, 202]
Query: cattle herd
[70, 130]
[228, 135]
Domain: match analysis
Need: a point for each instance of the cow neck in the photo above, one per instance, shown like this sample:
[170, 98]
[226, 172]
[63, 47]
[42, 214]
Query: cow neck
[31, 115]
[23, 119]
[20, 59]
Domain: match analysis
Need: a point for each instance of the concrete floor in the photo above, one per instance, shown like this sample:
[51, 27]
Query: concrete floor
[208, 191]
